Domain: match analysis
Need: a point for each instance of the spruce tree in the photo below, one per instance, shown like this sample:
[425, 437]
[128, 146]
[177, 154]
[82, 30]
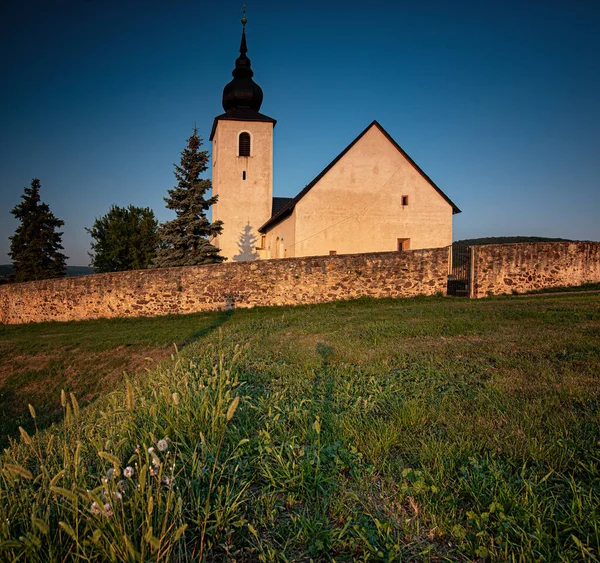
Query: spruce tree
[185, 241]
[35, 246]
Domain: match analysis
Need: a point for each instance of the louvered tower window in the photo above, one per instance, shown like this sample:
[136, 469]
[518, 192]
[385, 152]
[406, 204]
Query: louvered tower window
[244, 144]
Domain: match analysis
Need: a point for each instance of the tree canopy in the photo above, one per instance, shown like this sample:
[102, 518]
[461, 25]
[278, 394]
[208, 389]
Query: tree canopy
[186, 240]
[35, 246]
[125, 238]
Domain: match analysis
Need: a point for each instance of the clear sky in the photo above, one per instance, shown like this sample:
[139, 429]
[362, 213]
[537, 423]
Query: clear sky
[498, 101]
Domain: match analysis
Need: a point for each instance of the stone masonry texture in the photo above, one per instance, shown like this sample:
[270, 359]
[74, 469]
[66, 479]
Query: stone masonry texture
[290, 281]
[507, 268]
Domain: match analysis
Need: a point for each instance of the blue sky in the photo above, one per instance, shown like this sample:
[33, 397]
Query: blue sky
[497, 101]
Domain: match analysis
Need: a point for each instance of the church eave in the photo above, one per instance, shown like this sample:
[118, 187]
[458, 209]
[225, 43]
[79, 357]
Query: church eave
[239, 116]
[287, 210]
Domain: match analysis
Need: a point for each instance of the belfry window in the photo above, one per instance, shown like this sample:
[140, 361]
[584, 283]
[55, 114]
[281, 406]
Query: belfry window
[244, 144]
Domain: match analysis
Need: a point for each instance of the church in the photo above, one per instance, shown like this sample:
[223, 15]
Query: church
[372, 197]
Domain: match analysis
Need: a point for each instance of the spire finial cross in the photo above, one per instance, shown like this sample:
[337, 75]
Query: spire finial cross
[244, 19]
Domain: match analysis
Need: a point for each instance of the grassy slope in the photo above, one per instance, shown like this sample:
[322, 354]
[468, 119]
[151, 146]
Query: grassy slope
[87, 358]
[377, 430]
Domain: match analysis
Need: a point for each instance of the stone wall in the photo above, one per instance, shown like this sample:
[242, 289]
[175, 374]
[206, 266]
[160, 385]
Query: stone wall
[508, 268]
[291, 281]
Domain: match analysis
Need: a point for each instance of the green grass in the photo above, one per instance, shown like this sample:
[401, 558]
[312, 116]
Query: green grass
[88, 358]
[420, 429]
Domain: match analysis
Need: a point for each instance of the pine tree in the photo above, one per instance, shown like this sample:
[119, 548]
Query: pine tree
[185, 241]
[35, 246]
[125, 238]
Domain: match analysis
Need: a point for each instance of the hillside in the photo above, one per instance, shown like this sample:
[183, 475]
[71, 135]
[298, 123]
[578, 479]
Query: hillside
[507, 240]
[7, 270]
[382, 430]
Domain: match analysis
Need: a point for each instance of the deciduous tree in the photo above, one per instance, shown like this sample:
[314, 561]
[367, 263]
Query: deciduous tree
[186, 240]
[125, 238]
[35, 247]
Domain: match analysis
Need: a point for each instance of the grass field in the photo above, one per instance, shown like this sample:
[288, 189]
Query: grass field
[417, 429]
[87, 358]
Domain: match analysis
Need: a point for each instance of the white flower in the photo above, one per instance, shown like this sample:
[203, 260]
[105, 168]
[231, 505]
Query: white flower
[163, 445]
[128, 472]
[95, 508]
[150, 450]
[108, 511]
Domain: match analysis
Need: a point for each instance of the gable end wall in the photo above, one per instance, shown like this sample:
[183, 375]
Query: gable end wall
[356, 206]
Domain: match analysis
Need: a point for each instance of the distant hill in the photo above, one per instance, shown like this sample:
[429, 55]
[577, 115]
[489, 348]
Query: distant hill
[507, 240]
[7, 270]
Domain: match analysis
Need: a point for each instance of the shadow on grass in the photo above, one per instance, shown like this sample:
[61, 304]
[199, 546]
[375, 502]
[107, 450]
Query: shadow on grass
[14, 404]
[322, 392]
[15, 417]
[219, 321]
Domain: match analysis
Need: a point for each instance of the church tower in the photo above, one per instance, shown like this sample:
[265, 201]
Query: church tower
[242, 161]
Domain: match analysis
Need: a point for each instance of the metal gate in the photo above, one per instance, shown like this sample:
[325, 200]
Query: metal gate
[460, 271]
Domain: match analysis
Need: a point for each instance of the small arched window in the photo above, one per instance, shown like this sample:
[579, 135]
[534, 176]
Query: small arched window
[244, 144]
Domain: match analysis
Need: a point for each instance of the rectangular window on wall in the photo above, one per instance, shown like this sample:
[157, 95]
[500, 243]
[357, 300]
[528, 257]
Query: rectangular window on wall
[404, 200]
[403, 244]
[332, 252]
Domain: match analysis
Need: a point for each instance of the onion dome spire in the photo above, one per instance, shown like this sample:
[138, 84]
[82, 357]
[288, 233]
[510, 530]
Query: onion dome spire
[242, 91]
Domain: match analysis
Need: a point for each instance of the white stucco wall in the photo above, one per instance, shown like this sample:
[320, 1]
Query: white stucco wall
[357, 206]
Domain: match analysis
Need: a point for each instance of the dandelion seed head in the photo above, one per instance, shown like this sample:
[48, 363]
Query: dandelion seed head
[95, 508]
[108, 511]
[151, 450]
[128, 472]
[163, 445]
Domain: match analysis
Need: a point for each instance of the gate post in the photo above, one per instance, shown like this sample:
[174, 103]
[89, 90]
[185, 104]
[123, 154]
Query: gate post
[472, 278]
